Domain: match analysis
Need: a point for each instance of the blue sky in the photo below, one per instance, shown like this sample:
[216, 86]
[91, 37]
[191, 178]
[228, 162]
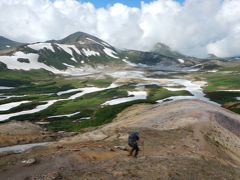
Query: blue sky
[131, 3]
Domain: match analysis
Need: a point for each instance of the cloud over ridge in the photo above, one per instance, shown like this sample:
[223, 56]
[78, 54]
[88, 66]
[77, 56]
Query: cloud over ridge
[196, 27]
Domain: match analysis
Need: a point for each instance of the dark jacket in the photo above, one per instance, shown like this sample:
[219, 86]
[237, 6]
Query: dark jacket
[133, 138]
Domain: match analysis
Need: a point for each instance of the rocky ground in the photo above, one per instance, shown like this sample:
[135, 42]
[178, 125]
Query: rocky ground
[17, 133]
[187, 139]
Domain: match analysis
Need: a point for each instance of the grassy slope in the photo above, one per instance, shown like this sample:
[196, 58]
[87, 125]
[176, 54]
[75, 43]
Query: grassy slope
[41, 81]
[100, 116]
[36, 83]
[219, 81]
[88, 105]
[227, 78]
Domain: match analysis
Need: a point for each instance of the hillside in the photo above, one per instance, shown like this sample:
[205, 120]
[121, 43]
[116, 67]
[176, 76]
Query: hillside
[182, 139]
[80, 54]
[7, 43]
[66, 56]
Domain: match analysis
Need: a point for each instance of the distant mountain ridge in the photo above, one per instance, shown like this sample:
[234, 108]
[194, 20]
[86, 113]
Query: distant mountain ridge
[166, 51]
[80, 51]
[7, 43]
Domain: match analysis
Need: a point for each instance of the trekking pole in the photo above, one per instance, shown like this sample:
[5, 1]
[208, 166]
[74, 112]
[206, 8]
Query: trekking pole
[143, 147]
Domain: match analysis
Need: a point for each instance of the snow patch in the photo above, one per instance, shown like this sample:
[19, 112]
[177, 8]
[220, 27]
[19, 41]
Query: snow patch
[64, 115]
[174, 98]
[181, 61]
[81, 42]
[90, 90]
[68, 49]
[21, 148]
[68, 65]
[89, 52]
[136, 95]
[8, 106]
[68, 91]
[127, 74]
[129, 63]
[238, 98]
[85, 118]
[39, 46]
[12, 63]
[193, 70]
[4, 117]
[86, 70]
[73, 59]
[4, 87]
[213, 71]
[193, 87]
[230, 90]
[110, 53]
[42, 123]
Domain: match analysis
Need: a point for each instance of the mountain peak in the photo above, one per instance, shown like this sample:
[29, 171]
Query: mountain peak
[78, 37]
[161, 46]
[212, 56]
[165, 50]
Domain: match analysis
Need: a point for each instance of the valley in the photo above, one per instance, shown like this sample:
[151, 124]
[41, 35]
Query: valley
[77, 98]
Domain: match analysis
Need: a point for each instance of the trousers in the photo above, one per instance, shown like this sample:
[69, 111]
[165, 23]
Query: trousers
[134, 148]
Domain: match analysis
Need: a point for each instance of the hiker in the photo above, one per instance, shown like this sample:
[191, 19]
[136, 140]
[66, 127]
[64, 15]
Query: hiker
[132, 142]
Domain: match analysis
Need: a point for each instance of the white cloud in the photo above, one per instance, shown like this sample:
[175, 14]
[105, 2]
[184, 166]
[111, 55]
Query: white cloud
[198, 27]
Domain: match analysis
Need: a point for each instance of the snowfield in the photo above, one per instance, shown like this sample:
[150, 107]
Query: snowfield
[195, 88]
[135, 96]
[8, 106]
[12, 63]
